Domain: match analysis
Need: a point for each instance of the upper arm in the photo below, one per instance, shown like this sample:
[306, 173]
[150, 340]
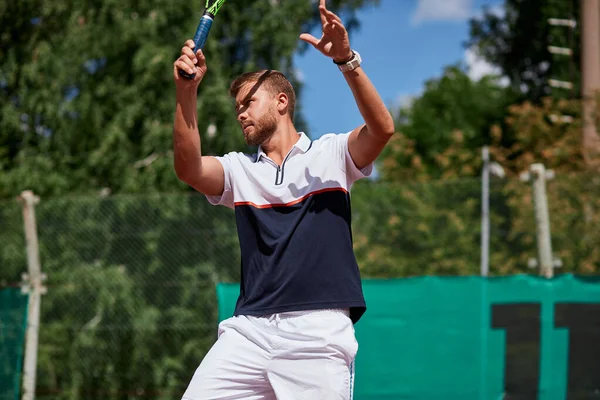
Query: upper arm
[209, 178]
[365, 147]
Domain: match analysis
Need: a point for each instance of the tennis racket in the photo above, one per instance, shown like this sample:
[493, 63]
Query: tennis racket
[212, 7]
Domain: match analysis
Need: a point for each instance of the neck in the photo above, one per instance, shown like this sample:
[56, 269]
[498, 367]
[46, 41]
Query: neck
[281, 142]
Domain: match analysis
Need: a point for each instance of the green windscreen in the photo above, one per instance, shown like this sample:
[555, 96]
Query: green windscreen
[519, 337]
[13, 321]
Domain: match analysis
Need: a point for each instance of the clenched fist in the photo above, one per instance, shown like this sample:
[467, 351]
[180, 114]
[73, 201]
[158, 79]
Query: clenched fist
[191, 63]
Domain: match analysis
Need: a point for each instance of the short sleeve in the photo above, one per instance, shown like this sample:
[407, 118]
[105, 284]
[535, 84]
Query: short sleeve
[353, 173]
[226, 198]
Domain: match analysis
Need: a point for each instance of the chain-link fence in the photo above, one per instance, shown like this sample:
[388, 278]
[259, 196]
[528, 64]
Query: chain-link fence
[13, 261]
[131, 308]
[435, 228]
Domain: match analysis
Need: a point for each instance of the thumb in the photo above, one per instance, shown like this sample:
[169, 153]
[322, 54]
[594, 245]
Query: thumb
[310, 39]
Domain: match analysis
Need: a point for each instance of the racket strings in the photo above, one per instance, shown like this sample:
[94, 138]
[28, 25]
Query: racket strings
[214, 8]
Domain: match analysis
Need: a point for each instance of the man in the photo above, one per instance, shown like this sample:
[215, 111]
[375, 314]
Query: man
[292, 333]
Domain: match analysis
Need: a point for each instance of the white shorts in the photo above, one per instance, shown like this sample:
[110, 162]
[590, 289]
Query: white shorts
[297, 355]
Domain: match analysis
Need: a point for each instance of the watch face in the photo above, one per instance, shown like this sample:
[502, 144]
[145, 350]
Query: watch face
[352, 64]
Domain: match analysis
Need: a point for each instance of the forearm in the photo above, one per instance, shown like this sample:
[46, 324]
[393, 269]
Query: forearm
[372, 108]
[186, 137]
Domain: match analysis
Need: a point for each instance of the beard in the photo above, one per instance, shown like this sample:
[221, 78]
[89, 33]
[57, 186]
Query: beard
[264, 128]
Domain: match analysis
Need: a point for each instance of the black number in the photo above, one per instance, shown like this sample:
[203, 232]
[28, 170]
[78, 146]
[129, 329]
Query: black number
[522, 358]
[583, 322]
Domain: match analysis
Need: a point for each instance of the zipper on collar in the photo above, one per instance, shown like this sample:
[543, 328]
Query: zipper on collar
[279, 174]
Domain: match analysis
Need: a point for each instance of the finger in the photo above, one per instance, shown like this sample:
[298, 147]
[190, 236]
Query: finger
[323, 14]
[200, 73]
[177, 71]
[190, 43]
[310, 39]
[186, 65]
[337, 27]
[201, 58]
[188, 61]
[328, 29]
[187, 52]
[331, 28]
[178, 68]
[333, 17]
[200, 55]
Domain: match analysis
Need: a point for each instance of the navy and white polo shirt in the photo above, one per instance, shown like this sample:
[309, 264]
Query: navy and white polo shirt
[294, 228]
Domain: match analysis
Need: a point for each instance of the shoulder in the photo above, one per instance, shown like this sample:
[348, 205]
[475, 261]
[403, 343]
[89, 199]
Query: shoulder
[332, 142]
[331, 139]
[239, 157]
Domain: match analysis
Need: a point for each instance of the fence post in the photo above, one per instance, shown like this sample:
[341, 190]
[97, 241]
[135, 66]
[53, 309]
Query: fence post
[538, 174]
[33, 285]
[485, 212]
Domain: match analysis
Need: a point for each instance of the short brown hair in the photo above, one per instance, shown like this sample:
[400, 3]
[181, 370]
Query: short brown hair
[274, 81]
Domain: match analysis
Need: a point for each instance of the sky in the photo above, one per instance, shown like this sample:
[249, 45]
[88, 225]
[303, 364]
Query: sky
[403, 43]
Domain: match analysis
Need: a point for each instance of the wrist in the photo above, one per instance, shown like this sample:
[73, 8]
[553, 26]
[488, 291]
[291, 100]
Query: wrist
[186, 92]
[350, 64]
[344, 60]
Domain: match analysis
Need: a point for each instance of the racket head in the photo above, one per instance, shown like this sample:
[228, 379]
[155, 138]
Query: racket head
[213, 6]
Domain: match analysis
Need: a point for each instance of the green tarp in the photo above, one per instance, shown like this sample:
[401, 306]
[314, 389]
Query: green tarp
[520, 337]
[13, 321]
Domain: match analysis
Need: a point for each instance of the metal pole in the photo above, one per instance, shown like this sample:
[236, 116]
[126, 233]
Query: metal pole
[485, 212]
[34, 286]
[590, 75]
[542, 220]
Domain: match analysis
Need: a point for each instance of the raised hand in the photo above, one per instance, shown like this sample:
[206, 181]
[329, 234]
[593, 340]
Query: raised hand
[334, 42]
[190, 62]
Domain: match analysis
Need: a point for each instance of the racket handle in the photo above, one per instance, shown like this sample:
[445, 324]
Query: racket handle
[200, 37]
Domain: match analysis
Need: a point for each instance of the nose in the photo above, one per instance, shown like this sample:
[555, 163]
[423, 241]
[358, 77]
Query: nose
[242, 116]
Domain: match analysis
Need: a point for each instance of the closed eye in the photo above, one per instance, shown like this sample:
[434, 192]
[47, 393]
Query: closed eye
[244, 106]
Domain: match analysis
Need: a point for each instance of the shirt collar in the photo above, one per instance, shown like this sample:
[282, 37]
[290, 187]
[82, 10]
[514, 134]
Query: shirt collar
[303, 144]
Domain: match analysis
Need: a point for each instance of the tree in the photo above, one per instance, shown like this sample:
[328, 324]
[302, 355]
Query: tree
[449, 103]
[86, 103]
[432, 226]
[572, 196]
[517, 39]
[86, 92]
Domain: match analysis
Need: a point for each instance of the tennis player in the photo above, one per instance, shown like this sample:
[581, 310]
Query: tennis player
[292, 333]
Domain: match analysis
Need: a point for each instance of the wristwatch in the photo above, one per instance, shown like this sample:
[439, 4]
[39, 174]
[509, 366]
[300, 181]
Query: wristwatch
[350, 64]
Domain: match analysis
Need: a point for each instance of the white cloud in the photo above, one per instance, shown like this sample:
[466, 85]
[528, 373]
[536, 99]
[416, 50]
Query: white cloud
[442, 10]
[402, 101]
[497, 10]
[299, 75]
[477, 67]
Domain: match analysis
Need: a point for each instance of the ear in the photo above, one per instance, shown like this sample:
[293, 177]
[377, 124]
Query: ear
[282, 103]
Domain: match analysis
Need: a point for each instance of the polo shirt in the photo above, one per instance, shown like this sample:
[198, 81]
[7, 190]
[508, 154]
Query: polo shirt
[294, 227]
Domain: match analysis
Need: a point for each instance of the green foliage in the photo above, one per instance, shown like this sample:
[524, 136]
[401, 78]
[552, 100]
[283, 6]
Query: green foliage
[404, 229]
[12, 243]
[86, 108]
[86, 90]
[517, 40]
[537, 138]
[448, 104]
[575, 220]
[86, 103]
[434, 227]
[131, 305]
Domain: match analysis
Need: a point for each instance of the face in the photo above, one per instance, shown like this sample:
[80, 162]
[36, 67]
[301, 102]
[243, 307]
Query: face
[257, 113]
